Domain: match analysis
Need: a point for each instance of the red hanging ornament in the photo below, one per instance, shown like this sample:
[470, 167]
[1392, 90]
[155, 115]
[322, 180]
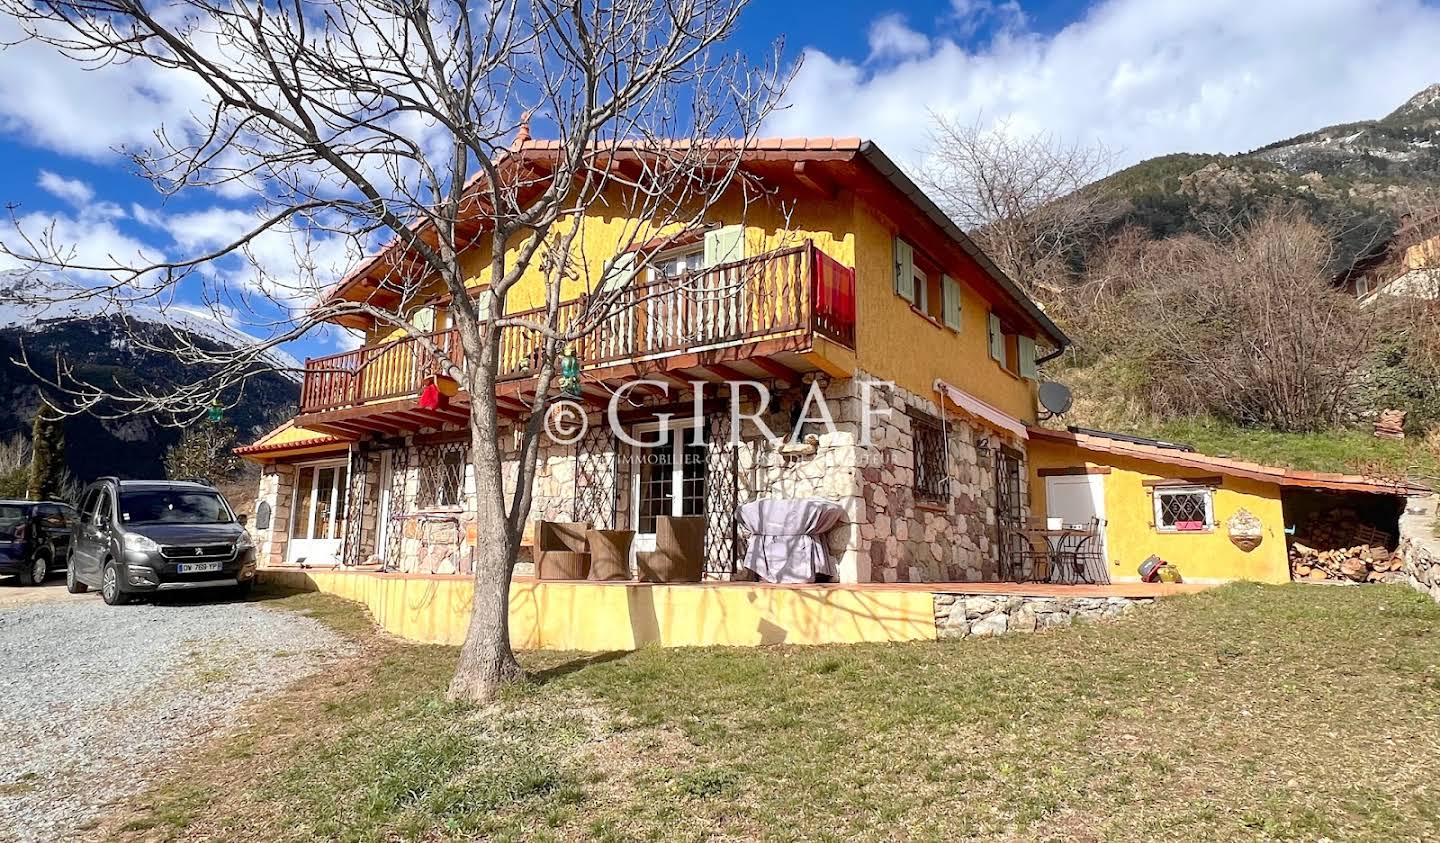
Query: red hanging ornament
[431, 398]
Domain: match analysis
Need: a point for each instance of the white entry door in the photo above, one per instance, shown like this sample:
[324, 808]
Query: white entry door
[317, 518]
[667, 479]
[1077, 499]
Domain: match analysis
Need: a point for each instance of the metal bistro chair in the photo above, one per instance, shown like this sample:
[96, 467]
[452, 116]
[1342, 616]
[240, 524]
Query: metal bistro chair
[1078, 558]
[1029, 556]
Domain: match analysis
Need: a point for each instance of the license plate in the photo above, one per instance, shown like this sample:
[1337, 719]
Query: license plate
[197, 567]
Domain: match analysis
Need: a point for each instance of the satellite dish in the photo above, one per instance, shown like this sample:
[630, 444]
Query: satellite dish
[1055, 397]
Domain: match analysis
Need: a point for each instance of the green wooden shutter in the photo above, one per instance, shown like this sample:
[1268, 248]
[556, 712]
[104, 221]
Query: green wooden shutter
[621, 273]
[950, 289]
[1026, 348]
[997, 340]
[723, 245]
[424, 319]
[904, 270]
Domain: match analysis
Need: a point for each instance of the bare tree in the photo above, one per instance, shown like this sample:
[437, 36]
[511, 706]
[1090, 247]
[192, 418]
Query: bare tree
[1027, 201]
[398, 119]
[1245, 325]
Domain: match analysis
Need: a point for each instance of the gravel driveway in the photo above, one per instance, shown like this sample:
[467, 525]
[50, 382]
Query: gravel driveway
[93, 699]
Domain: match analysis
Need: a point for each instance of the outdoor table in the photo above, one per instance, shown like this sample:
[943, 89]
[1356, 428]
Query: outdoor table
[1066, 544]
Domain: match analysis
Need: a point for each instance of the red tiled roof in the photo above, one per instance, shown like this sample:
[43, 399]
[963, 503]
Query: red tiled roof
[1233, 467]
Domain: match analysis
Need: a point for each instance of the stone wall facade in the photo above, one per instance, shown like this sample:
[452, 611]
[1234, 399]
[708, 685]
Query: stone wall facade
[982, 616]
[1419, 546]
[889, 533]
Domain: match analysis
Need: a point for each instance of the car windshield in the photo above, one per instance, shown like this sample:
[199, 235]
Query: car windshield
[173, 506]
[11, 516]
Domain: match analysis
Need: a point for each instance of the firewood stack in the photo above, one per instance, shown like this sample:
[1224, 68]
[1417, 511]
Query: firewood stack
[1359, 563]
[1391, 424]
[1338, 546]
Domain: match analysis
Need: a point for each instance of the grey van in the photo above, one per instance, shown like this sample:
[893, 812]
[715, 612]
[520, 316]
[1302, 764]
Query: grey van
[137, 537]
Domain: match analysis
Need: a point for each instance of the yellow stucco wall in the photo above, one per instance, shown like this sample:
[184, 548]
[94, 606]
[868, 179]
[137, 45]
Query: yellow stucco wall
[1131, 537]
[627, 616]
[892, 341]
[772, 224]
[895, 343]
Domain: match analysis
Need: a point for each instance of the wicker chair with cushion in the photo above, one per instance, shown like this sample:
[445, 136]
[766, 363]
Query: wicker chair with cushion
[560, 552]
[679, 554]
[609, 553]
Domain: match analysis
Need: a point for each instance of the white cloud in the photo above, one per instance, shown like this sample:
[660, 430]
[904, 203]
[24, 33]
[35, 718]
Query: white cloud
[890, 36]
[1141, 77]
[74, 191]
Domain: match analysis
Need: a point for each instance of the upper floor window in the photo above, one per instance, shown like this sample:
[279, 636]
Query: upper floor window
[920, 281]
[677, 263]
[1015, 352]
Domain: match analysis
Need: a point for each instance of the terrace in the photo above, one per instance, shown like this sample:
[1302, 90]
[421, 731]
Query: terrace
[776, 315]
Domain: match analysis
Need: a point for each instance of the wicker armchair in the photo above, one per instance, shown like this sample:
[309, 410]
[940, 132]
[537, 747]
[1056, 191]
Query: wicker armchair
[679, 554]
[560, 552]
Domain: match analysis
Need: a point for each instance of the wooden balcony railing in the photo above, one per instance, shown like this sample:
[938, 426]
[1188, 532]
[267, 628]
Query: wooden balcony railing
[796, 289]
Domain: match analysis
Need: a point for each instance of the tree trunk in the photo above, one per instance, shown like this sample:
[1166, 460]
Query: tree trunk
[487, 663]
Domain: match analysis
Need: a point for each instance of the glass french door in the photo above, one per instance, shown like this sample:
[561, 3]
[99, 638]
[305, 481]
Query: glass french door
[317, 518]
[667, 479]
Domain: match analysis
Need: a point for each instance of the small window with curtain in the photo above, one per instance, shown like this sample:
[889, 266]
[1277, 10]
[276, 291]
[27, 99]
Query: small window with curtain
[1184, 509]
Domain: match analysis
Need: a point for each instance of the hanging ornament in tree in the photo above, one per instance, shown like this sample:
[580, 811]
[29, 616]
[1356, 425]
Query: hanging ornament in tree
[570, 373]
[216, 412]
[431, 398]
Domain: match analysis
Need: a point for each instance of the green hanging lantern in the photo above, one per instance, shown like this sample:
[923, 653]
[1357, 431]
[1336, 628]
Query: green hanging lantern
[215, 411]
[570, 373]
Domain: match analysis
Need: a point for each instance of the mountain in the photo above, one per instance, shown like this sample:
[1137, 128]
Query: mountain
[1355, 178]
[102, 351]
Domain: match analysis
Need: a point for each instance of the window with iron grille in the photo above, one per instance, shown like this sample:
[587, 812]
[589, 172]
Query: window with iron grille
[1184, 509]
[929, 442]
[442, 476]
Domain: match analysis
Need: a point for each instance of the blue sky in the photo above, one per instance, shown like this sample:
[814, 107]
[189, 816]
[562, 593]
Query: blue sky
[1141, 77]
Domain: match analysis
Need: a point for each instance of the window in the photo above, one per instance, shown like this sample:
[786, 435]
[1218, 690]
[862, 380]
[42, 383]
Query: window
[442, 476]
[1184, 509]
[928, 439]
[921, 282]
[173, 506]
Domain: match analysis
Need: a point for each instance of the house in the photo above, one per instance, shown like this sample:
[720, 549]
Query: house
[847, 281]
[1163, 498]
[876, 284]
[1406, 265]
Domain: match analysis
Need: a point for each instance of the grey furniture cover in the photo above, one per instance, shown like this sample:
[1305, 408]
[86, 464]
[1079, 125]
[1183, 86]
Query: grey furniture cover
[784, 541]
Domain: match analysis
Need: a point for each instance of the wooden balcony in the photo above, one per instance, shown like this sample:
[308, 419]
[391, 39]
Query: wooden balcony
[796, 293]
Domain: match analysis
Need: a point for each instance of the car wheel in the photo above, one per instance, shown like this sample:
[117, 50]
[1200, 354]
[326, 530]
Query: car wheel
[39, 569]
[110, 586]
[72, 582]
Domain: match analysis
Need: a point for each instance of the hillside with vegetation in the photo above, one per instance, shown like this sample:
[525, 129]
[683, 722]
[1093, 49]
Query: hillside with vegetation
[1353, 179]
[120, 356]
[1200, 290]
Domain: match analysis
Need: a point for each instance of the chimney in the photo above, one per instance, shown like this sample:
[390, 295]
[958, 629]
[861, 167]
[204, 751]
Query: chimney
[522, 134]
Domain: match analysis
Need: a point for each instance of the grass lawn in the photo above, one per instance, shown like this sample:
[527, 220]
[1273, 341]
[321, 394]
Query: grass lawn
[1249, 712]
[1345, 451]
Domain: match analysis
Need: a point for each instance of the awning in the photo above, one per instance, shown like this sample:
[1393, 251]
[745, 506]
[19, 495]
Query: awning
[988, 413]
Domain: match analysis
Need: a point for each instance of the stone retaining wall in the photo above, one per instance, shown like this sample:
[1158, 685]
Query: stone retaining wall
[963, 616]
[1419, 546]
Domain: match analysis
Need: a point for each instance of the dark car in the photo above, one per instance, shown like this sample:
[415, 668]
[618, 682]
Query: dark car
[34, 538]
[147, 536]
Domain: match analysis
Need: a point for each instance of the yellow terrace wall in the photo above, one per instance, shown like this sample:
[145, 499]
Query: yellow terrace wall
[1129, 510]
[895, 343]
[627, 616]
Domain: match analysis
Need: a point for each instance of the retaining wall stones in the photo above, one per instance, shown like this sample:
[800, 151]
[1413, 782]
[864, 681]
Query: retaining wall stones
[980, 616]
